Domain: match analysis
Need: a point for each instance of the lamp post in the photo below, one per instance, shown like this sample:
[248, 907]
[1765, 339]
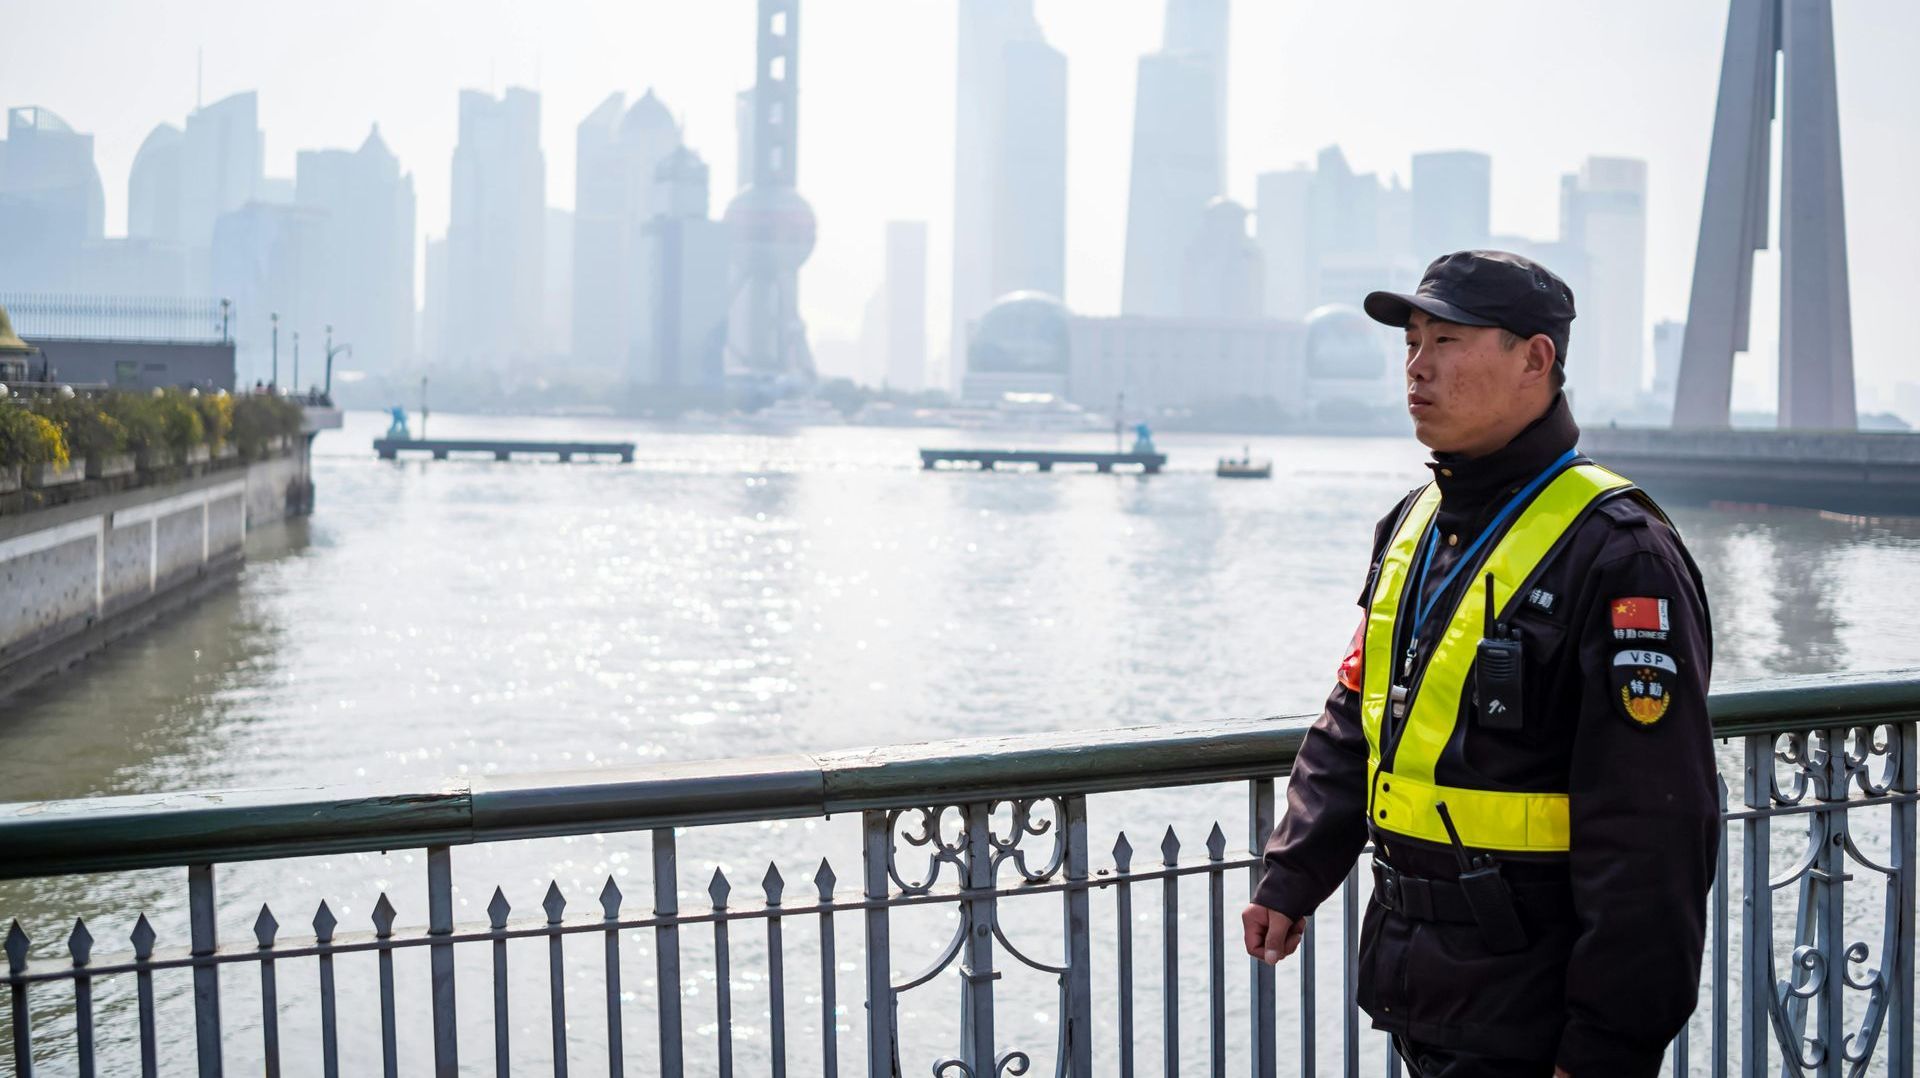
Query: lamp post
[274, 382]
[296, 361]
[345, 349]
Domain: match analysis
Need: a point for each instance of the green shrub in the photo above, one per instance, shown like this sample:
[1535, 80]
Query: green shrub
[258, 417]
[89, 431]
[216, 415]
[139, 416]
[179, 420]
[28, 438]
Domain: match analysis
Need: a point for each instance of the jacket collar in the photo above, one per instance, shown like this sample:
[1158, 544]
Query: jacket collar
[1468, 484]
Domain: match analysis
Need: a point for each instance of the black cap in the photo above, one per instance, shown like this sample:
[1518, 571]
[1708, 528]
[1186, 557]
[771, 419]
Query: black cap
[1485, 288]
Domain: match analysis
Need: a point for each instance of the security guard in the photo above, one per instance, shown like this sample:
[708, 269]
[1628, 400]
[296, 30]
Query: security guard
[1519, 727]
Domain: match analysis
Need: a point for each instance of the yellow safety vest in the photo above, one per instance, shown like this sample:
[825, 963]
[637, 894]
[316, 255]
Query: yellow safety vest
[1402, 800]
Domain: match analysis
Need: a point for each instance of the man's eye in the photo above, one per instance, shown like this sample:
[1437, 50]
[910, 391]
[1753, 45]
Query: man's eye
[1442, 340]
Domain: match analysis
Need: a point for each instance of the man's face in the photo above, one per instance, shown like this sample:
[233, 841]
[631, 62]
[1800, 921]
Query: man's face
[1467, 391]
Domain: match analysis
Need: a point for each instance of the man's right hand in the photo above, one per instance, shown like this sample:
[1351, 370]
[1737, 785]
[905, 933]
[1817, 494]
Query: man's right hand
[1270, 934]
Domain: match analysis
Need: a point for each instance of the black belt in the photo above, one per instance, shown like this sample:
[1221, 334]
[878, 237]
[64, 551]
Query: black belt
[1420, 899]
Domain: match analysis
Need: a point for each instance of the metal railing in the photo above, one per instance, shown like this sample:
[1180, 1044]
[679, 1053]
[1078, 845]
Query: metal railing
[170, 319]
[970, 830]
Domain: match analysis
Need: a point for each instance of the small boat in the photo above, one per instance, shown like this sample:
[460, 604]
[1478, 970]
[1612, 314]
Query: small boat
[1244, 467]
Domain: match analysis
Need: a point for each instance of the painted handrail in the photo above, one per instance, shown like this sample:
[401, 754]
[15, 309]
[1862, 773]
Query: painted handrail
[103, 834]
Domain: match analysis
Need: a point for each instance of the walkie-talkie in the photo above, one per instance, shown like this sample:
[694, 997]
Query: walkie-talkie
[1487, 894]
[1496, 673]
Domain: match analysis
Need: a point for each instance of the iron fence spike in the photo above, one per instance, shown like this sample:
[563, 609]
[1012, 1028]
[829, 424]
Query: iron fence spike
[555, 903]
[265, 926]
[773, 884]
[142, 937]
[610, 899]
[497, 909]
[1122, 853]
[16, 947]
[718, 889]
[80, 942]
[1216, 842]
[824, 879]
[324, 922]
[1170, 846]
[383, 917]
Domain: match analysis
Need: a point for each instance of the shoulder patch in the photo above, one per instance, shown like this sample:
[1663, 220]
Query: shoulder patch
[1643, 685]
[1639, 617]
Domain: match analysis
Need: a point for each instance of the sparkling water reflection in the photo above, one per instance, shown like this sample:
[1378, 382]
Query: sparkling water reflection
[747, 593]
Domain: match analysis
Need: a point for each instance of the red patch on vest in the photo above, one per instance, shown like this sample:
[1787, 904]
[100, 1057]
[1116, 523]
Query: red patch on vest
[1353, 667]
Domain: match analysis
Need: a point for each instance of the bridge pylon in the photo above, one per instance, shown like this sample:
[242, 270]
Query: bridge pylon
[1816, 327]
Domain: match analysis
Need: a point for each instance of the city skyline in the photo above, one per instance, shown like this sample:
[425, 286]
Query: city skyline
[1652, 69]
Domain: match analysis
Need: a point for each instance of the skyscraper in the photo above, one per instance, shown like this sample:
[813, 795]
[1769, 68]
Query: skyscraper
[1223, 274]
[1009, 207]
[619, 151]
[1603, 212]
[496, 237]
[1030, 192]
[1199, 28]
[688, 263]
[1452, 202]
[154, 203]
[905, 305]
[222, 160]
[271, 259]
[1179, 153]
[1331, 235]
[1668, 337]
[1283, 226]
[51, 201]
[772, 227]
[366, 291]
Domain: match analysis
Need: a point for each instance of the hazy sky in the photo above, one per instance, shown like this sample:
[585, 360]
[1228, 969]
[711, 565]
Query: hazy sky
[1539, 84]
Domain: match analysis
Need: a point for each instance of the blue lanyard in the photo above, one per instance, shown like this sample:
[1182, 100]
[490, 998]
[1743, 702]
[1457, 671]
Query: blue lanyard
[1422, 608]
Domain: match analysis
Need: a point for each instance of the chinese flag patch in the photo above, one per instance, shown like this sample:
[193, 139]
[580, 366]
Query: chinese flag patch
[1640, 612]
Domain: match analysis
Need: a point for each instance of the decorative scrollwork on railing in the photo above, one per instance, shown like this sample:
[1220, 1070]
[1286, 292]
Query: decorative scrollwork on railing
[1865, 744]
[941, 961]
[1011, 846]
[1032, 837]
[1786, 1010]
[930, 834]
[1875, 981]
[1798, 755]
[1009, 1062]
[1826, 968]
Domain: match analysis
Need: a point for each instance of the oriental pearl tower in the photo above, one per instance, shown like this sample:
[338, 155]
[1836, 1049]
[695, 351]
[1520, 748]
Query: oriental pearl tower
[772, 228]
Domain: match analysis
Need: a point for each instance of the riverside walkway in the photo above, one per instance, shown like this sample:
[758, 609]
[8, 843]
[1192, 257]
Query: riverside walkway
[1818, 848]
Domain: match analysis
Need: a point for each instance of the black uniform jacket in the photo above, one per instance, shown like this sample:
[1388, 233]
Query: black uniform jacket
[1600, 992]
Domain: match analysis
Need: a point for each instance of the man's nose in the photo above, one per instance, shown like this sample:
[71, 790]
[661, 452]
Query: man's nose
[1419, 367]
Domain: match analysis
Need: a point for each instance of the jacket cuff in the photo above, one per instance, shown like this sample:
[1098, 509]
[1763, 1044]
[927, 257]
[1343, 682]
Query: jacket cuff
[1286, 892]
[1587, 1051]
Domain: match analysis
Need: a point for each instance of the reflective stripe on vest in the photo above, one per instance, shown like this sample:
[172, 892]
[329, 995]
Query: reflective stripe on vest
[1402, 800]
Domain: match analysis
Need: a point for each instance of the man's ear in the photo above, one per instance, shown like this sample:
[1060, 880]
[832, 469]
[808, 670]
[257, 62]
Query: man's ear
[1540, 354]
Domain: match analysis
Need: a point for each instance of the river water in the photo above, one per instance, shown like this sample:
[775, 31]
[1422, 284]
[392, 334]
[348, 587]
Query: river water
[753, 592]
